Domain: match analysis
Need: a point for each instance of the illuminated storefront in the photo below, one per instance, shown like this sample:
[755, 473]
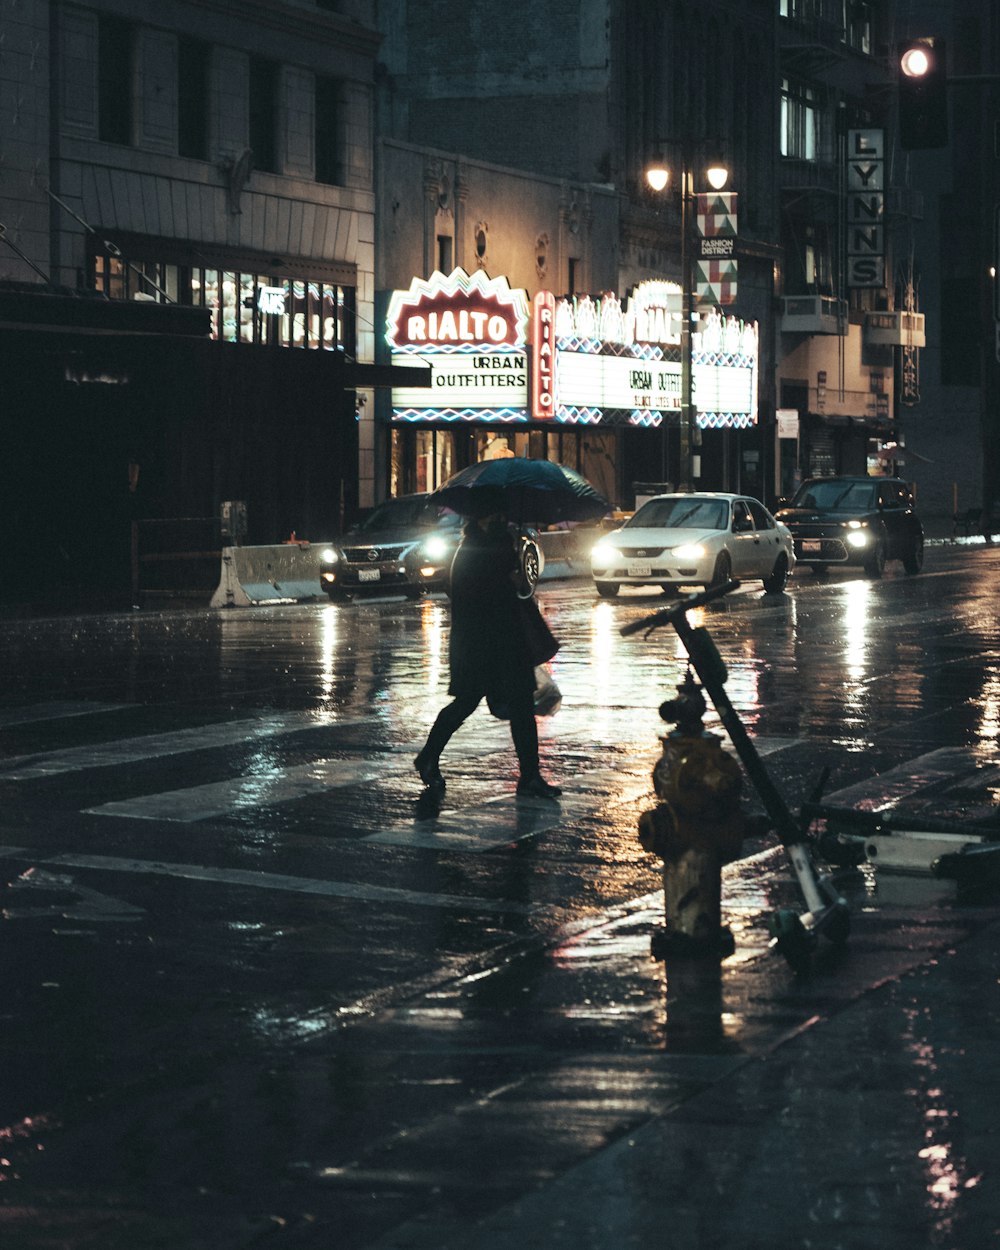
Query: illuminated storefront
[592, 382]
[253, 299]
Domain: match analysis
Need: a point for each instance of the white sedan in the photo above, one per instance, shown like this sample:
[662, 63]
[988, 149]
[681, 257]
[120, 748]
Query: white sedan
[695, 540]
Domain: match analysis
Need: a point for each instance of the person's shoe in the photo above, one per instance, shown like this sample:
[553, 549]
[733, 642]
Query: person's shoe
[428, 770]
[537, 788]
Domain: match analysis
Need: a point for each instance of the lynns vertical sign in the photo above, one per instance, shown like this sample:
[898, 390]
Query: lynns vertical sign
[866, 208]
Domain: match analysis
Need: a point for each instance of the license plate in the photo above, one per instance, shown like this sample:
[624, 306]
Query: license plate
[640, 570]
[811, 544]
[369, 575]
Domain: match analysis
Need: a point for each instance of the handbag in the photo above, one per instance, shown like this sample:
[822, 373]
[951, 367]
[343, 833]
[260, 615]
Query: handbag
[548, 696]
[541, 643]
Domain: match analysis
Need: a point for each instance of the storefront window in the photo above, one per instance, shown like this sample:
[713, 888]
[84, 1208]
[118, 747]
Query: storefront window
[246, 307]
[597, 461]
[434, 458]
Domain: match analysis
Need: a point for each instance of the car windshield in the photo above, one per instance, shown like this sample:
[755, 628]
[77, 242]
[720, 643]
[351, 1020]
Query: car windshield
[683, 513]
[834, 496]
[406, 514]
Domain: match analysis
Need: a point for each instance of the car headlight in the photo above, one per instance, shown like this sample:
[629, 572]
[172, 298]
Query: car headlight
[329, 556]
[603, 553]
[857, 538]
[690, 551]
[435, 548]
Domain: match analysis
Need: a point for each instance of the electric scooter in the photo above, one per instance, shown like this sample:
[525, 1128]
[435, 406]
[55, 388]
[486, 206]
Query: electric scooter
[795, 935]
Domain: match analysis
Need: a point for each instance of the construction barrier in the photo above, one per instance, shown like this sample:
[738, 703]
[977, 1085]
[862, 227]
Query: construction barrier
[286, 573]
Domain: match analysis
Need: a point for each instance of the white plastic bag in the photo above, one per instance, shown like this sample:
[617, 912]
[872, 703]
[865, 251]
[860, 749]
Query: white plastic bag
[548, 696]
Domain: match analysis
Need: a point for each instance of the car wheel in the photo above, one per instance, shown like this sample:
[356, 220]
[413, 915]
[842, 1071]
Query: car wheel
[775, 584]
[607, 590]
[723, 570]
[875, 564]
[530, 567]
[913, 561]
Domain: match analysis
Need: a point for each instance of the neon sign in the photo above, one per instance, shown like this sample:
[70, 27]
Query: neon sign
[616, 364]
[472, 332]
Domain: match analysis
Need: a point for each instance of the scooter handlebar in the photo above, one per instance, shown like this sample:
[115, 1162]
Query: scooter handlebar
[667, 616]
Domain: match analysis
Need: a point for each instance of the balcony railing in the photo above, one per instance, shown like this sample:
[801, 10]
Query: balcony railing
[813, 314]
[895, 329]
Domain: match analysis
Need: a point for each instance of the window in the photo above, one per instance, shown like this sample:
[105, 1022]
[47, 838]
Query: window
[799, 121]
[444, 253]
[761, 518]
[263, 114]
[115, 80]
[192, 98]
[801, 10]
[328, 158]
[859, 26]
[266, 309]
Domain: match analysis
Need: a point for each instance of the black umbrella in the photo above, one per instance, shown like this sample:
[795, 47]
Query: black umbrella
[530, 491]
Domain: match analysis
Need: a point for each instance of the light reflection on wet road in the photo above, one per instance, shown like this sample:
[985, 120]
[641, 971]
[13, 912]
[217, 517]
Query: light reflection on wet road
[328, 991]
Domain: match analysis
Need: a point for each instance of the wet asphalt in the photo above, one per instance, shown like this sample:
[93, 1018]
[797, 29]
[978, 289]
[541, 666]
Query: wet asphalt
[257, 991]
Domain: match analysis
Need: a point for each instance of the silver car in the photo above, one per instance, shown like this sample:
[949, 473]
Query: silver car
[695, 540]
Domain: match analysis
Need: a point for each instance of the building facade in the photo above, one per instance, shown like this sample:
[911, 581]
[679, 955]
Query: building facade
[203, 156]
[794, 97]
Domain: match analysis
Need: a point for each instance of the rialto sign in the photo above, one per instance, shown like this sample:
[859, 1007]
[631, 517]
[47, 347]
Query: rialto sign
[591, 360]
[472, 332]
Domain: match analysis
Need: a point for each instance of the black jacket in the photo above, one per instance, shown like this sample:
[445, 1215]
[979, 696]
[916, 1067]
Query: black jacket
[489, 652]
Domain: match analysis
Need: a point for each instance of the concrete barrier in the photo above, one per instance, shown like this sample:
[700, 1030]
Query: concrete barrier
[286, 573]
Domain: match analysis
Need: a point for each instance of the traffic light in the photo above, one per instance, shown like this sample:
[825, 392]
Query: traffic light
[923, 94]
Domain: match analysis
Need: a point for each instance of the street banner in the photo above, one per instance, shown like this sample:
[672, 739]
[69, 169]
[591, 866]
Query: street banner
[715, 265]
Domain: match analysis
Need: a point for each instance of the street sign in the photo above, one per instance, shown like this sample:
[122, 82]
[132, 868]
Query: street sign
[717, 248]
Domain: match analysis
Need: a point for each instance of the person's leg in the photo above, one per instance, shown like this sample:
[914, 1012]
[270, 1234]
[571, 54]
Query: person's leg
[524, 731]
[448, 720]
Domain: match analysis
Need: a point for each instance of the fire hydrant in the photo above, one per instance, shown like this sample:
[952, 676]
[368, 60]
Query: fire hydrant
[695, 829]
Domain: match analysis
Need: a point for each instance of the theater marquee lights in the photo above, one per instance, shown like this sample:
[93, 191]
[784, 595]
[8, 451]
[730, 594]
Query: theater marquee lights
[471, 330]
[594, 360]
[615, 364]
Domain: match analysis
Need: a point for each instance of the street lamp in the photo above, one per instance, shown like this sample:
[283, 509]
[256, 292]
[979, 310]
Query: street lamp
[657, 177]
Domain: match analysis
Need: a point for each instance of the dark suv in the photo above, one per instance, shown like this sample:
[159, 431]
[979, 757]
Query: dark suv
[855, 521]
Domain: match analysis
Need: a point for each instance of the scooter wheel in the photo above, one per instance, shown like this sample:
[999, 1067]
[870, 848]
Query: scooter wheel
[789, 935]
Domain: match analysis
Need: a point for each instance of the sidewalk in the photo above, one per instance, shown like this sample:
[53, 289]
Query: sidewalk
[856, 1109]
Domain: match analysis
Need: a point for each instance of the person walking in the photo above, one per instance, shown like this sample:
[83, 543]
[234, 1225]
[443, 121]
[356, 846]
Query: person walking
[496, 641]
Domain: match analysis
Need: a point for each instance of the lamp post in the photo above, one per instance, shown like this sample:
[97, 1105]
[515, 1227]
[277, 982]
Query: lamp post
[657, 177]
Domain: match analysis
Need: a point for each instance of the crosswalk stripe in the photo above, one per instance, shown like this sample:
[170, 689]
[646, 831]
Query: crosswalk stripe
[486, 826]
[175, 742]
[949, 764]
[294, 885]
[472, 829]
[53, 711]
[219, 798]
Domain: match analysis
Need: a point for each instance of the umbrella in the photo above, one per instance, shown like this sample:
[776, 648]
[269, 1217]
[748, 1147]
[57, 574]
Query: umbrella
[537, 491]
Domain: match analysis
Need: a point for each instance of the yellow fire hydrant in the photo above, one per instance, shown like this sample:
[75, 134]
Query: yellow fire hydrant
[695, 828]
